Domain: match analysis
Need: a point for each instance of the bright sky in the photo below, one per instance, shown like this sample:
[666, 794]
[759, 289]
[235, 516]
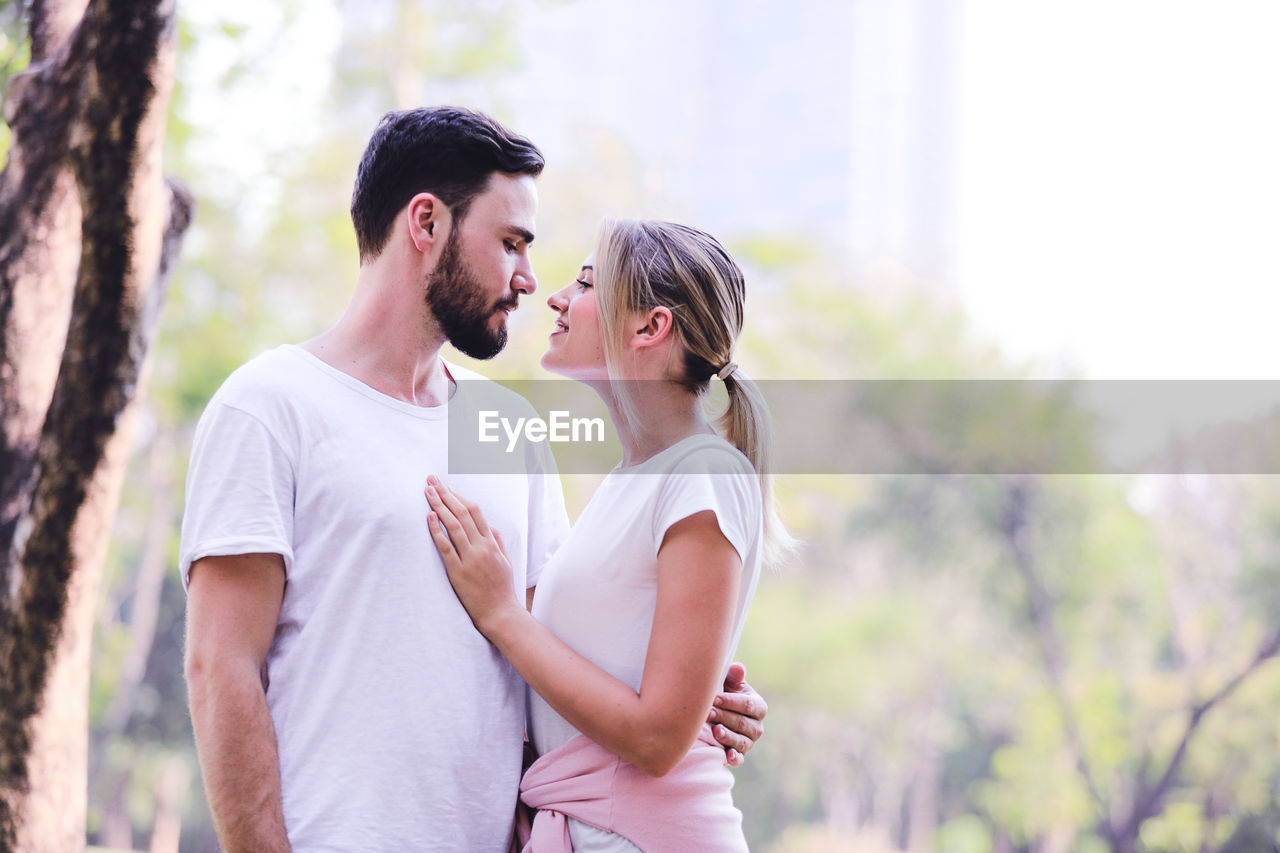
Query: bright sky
[1120, 184]
[268, 110]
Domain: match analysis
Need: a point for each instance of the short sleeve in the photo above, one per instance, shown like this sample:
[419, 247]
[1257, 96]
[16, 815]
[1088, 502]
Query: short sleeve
[240, 490]
[711, 480]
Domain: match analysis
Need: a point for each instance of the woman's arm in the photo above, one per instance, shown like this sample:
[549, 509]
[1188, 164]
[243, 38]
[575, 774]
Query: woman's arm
[698, 577]
[737, 711]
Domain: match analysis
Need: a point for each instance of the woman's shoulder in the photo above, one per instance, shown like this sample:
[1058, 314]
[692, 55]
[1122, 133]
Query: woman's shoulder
[706, 454]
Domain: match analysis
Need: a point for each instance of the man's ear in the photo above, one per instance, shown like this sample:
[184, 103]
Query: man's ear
[651, 327]
[428, 220]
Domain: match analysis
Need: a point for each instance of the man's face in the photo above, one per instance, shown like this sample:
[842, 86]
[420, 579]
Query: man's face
[484, 267]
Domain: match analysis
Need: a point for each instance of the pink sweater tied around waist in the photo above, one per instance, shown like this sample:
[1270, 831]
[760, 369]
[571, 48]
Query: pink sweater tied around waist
[690, 808]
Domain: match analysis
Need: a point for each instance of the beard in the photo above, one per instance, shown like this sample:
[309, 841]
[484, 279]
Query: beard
[456, 299]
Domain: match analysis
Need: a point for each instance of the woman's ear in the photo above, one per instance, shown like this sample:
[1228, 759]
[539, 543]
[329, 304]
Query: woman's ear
[428, 220]
[651, 327]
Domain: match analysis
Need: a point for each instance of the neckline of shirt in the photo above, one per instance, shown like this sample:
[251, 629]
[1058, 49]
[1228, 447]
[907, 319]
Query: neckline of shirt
[428, 413]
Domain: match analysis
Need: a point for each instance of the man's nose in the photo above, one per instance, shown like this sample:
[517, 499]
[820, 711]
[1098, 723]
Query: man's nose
[524, 281]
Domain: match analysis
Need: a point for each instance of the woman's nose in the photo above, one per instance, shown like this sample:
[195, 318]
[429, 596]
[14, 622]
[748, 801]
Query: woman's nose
[559, 301]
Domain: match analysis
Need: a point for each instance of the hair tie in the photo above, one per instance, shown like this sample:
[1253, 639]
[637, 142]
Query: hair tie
[726, 371]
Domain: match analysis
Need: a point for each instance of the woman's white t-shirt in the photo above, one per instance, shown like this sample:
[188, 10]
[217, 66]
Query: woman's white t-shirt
[599, 590]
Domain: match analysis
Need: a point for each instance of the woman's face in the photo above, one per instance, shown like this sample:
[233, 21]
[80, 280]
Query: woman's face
[575, 349]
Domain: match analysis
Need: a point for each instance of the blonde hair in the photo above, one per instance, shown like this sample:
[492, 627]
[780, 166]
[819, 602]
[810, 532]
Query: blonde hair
[641, 265]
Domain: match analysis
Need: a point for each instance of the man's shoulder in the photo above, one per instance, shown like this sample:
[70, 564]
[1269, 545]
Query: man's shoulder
[269, 377]
[481, 390]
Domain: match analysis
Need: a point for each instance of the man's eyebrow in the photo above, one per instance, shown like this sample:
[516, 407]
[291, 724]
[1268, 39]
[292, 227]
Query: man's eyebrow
[523, 233]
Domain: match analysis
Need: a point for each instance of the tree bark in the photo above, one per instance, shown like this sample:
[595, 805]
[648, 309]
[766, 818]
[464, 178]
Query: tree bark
[89, 229]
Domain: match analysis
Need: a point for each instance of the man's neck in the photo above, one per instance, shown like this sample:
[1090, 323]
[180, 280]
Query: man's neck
[387, 343]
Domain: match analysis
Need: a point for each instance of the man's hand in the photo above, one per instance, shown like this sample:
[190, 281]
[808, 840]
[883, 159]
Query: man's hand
[737, 718]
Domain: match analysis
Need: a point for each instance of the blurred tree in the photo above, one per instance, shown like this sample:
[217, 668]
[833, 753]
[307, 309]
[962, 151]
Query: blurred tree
[89, 229]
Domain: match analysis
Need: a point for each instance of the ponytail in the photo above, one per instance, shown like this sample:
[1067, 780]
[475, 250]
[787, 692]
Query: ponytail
[747, 426]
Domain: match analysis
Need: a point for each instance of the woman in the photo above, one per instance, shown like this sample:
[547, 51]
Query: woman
[638, 613]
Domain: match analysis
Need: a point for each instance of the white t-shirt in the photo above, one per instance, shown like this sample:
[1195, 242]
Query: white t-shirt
[399, 726]
[599, 591]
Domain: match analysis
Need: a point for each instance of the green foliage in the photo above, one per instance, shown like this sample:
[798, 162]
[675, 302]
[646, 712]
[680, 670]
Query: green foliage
[1183, 826]
[963, 834]
[15, 56]
[1034, 788]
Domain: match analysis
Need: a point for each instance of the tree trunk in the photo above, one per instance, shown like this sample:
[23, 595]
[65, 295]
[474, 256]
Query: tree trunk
[88, 232]
[170, 793]
[925, 775]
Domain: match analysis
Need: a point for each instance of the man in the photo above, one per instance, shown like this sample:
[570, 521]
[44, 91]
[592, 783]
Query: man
[340, 697]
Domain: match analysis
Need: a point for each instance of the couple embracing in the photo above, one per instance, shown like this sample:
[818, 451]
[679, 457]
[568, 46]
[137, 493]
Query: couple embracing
[361, 668]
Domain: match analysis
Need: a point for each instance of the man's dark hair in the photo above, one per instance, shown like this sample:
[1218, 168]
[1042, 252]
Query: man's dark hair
[447, 151]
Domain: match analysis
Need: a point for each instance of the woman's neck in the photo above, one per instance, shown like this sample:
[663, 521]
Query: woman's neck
[661, 414]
